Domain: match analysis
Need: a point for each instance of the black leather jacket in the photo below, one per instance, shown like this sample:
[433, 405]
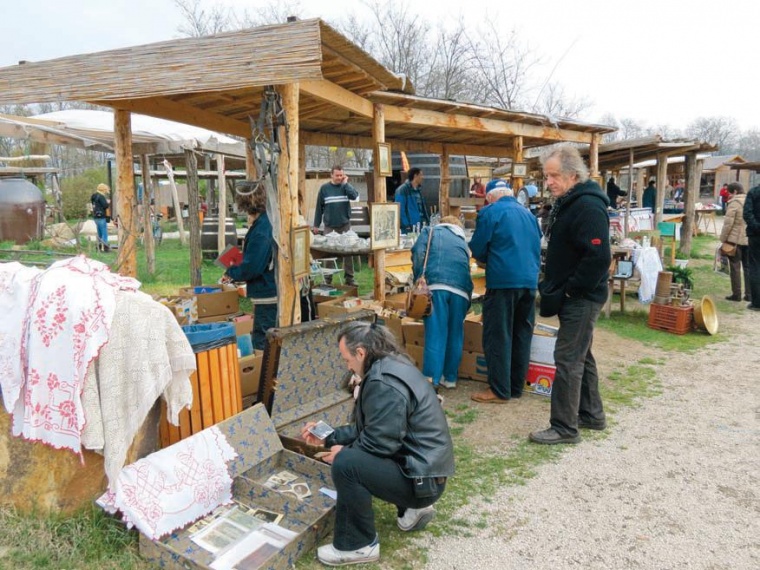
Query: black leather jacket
[398, 415]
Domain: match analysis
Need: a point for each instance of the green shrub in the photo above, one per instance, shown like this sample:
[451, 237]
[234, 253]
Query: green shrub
[76, 192]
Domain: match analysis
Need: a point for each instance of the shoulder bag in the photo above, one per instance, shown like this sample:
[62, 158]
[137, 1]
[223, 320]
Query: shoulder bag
[728, 248]
[419, 300]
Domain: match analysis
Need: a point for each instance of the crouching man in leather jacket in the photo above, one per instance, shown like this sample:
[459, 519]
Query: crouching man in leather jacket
[399, 448]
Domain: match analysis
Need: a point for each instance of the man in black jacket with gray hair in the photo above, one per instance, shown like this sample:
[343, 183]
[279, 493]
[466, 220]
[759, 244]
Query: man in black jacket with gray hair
[752, 219]
[578, 259]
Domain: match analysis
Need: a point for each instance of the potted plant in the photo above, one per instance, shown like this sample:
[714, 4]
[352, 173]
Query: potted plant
[682, 275]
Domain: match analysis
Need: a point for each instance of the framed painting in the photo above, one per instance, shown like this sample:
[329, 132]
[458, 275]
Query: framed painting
[519, 169]
[300, 247]
[384, 159]
[385, 225]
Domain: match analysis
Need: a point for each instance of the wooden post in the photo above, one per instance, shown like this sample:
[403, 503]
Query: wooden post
[630, 192]
[289, 306]
[593, 155]
[691, 191]
[148, 242]
[193, 223]
[250, 164]
[175, 200]
[517, 156]
[662, 178]
[302, 202]
[445, 198]
[222, 184]
[378, 136]
[127, 260]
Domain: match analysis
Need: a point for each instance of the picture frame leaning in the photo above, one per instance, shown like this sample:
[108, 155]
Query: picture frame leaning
[300, 248]
[385, 225]
[385, 166]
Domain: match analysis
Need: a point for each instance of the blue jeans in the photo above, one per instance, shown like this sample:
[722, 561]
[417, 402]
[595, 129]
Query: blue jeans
[102, 226]
[264, 318]
[508, 319]
[358, 476]
[575, 391]
[444, 336]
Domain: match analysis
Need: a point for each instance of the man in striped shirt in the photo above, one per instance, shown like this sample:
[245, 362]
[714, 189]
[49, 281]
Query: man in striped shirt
[334, 207]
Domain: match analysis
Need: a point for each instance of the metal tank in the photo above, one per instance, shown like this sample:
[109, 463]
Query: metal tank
[22, 211]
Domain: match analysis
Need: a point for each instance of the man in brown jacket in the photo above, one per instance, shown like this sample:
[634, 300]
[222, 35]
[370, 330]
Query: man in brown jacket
[734, 232]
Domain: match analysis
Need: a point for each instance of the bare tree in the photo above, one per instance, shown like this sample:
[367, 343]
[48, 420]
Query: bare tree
[610, 120]
[203, 22]
[273, 12]
[721, 131]
[748, 145]
[448, 73]
[631, 129]
[554, 103]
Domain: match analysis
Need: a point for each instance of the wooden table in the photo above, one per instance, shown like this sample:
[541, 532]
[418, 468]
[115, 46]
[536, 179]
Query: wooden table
[706, 218]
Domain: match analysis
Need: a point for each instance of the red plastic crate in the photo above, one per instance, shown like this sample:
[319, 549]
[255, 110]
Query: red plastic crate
[676, 320]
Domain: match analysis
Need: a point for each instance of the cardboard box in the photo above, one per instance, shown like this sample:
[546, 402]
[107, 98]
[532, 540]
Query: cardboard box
[542, 349]
[473, 366]
[396, 301]
[224, 302]
[243, 324]
[416, 353]
[540, 379]
[342, 291]
[414, 332]
[185, 309]
[473, 333]
[261, 455]
[395, 323]
[338, 307]
[250, 373]
[224, 318]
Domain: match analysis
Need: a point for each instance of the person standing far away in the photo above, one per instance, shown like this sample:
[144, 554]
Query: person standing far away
[478, 189]
[412, 202]
[100, 205]
[507, 240]
[752, 219]
[724, 197]
[650, 196]
[334, 207]
[614, 192]
[578, 259]
[734, 231]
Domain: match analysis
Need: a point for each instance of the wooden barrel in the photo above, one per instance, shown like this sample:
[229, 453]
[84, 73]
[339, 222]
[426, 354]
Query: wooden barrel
[216, 394]
[209, 233]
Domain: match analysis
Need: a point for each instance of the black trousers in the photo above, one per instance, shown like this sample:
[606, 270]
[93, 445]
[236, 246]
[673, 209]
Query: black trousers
[264, 318]
[359, 476]
[735, 264]
[754, 270]
[575, 392]
[508, 319]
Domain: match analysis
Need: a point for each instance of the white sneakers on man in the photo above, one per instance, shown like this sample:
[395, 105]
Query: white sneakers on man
[331, 556]
[415, 519]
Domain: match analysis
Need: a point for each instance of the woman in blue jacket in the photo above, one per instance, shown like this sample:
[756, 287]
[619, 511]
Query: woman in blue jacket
[257, 267]
[448, 276]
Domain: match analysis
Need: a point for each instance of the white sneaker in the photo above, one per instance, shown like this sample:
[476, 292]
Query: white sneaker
[415, 519]
[448, 385]
[331, 556]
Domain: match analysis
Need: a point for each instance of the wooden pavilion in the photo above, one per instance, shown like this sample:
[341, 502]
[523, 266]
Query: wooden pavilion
[332, 93]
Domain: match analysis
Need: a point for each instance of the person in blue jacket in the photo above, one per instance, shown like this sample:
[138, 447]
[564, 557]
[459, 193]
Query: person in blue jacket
[257, 267]
[412, 202]
[650, 196]
[448, 277]
[507, 240]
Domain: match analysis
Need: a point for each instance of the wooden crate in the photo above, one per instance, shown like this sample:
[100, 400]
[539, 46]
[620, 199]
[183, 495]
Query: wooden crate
[676, 320]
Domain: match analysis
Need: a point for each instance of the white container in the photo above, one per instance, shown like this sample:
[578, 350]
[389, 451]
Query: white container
[542, 349]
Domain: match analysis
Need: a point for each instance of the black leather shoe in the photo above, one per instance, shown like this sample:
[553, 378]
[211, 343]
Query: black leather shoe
[551, 437]
[752, 307]
[733, 298]
[598, 426]
[746, 297]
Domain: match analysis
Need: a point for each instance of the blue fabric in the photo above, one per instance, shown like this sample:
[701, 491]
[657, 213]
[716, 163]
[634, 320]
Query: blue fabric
[412, 206]
[102, 226]
[508, 240]
[444, 336]
[257, 267]
[448, 261]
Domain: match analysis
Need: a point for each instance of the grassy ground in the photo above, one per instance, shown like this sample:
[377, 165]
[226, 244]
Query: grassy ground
[92, 540]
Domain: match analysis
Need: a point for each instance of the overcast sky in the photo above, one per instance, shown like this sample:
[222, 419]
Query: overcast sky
[657, 61]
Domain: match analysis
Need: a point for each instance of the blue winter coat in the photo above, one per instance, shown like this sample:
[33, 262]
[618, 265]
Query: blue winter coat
[257, 267]
[407, 196]
[508, 240]
[448, 261]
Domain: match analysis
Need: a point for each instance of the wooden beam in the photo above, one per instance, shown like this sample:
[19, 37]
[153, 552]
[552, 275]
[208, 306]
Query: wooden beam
[662, 178]
[127, 260]
[517, 156]
[443, 203]
[422, 117]
[175, 200]
[289, 306]
[193, 223]
[378, 136]
[221, 241]
[693, 175]
[250, 163]
[593, 155]
[164, 108]
[337, 95]
[148, 242]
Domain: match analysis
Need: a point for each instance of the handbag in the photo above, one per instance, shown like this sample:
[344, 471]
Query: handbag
[728, 248]
[419, 300]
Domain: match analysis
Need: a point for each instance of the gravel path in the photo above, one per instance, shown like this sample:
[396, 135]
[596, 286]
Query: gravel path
[674, 485]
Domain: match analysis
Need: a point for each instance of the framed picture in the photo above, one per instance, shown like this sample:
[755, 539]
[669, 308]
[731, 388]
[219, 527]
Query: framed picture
[519, 169]
[598, 179]
[300, 248]
[385, 225]
[384, 159]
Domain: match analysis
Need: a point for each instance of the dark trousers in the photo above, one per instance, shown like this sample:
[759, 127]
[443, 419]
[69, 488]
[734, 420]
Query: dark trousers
[348, 260]
[508, 319]
[754, 270]
[575, 391]
[264, 318]
[359, 476]
[735, 264]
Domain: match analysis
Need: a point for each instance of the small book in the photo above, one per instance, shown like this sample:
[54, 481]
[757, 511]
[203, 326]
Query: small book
[229, 257]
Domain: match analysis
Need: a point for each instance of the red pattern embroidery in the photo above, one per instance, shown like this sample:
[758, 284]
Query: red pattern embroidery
[48, 331]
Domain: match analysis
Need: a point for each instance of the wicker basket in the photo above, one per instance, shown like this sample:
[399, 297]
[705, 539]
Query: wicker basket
[676, 320]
